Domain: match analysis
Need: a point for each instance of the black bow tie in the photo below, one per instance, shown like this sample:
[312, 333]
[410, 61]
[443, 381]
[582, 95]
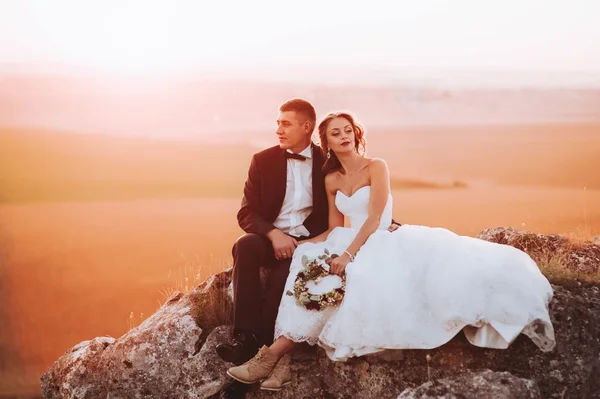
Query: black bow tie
[294, 156]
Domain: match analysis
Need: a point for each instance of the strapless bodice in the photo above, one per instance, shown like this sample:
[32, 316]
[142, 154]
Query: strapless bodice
[356, 207]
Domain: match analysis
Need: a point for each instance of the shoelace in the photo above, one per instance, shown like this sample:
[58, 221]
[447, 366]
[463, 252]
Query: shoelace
[254, 362]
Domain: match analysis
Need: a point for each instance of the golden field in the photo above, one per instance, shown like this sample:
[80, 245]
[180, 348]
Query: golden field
[96, 229]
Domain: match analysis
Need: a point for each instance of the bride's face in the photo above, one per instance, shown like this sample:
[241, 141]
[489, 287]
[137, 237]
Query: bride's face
[340, 135]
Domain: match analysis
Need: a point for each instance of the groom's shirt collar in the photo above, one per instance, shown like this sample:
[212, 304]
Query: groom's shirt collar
[307, 152]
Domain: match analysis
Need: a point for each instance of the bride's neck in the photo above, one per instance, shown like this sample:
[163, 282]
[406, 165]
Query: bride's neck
[350, 161]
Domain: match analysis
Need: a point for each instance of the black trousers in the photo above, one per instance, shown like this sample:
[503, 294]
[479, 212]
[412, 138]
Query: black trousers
[251, 312]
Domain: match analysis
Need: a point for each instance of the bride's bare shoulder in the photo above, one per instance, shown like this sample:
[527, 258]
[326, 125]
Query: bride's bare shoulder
[377, 163]
[378, 170]
[332, 180]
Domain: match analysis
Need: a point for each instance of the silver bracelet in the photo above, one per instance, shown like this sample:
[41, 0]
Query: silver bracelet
[350, 255]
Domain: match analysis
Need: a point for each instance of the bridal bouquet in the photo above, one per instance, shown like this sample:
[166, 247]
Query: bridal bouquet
[314, 270]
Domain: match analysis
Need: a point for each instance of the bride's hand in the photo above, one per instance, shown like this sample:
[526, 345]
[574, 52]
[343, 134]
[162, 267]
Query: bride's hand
[338, 265]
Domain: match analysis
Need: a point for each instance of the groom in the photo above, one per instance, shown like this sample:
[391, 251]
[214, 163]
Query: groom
[284, 201]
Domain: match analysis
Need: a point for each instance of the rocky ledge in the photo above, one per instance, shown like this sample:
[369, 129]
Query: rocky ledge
[172, 353]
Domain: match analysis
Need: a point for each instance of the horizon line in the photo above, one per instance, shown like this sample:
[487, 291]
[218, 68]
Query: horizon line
[389, 75]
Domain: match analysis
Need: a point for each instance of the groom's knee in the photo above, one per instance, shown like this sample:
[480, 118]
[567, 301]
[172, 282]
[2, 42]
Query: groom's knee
[248, 244]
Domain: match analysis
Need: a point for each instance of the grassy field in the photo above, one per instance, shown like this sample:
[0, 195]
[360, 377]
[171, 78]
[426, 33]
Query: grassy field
[95, 230]
[42, 166]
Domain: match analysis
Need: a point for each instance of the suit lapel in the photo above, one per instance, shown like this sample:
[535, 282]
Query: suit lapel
[279, 174]
[317, 172]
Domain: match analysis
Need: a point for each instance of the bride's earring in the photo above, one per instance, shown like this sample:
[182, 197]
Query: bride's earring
[328, 154]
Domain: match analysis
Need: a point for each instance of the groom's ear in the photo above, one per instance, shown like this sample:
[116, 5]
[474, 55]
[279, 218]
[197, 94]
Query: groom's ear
[308, 126]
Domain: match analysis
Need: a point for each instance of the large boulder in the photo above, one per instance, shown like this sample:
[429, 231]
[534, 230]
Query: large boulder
[159, 358]
[168, 355]
[172, 355]
[581, 257]
[470, 385]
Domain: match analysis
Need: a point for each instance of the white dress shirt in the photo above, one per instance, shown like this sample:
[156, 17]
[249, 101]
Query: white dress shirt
[298, 201]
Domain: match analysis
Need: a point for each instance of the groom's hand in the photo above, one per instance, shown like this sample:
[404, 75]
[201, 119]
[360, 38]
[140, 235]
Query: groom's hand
[283, 245]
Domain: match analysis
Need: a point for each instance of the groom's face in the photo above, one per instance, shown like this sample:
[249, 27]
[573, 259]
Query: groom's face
[293, 131]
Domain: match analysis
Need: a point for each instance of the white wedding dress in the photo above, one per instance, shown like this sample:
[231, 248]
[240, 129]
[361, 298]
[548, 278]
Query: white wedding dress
[416, 288]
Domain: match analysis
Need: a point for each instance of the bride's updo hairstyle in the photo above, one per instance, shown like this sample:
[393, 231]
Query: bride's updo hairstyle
[333, 163]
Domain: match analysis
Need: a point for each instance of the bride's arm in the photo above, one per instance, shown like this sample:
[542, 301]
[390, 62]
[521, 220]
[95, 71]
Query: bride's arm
[336, 218]
[380, 191]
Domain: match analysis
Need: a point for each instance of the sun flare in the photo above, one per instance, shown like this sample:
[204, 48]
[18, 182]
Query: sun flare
[133, 37]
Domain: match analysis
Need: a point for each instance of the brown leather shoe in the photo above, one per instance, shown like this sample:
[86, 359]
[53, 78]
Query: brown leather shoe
[255, 369]
[243, 348]
[280, 376]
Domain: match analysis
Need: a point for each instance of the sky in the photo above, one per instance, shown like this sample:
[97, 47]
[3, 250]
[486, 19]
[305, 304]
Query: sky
[259, 37]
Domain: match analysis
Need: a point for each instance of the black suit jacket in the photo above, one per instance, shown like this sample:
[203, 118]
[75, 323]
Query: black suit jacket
[264, 193]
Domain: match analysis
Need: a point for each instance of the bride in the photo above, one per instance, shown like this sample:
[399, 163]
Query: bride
[414, 288]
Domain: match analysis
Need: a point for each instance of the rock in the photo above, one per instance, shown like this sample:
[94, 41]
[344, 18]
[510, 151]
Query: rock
[165, 356]
[172, 354]
[211, 304]
[596, 240]
[578, 257]
[75, 374]
[471, 385]
[205, 375]
[149, 359]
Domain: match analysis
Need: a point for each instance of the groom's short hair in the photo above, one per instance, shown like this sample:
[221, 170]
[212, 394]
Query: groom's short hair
[301, 106]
